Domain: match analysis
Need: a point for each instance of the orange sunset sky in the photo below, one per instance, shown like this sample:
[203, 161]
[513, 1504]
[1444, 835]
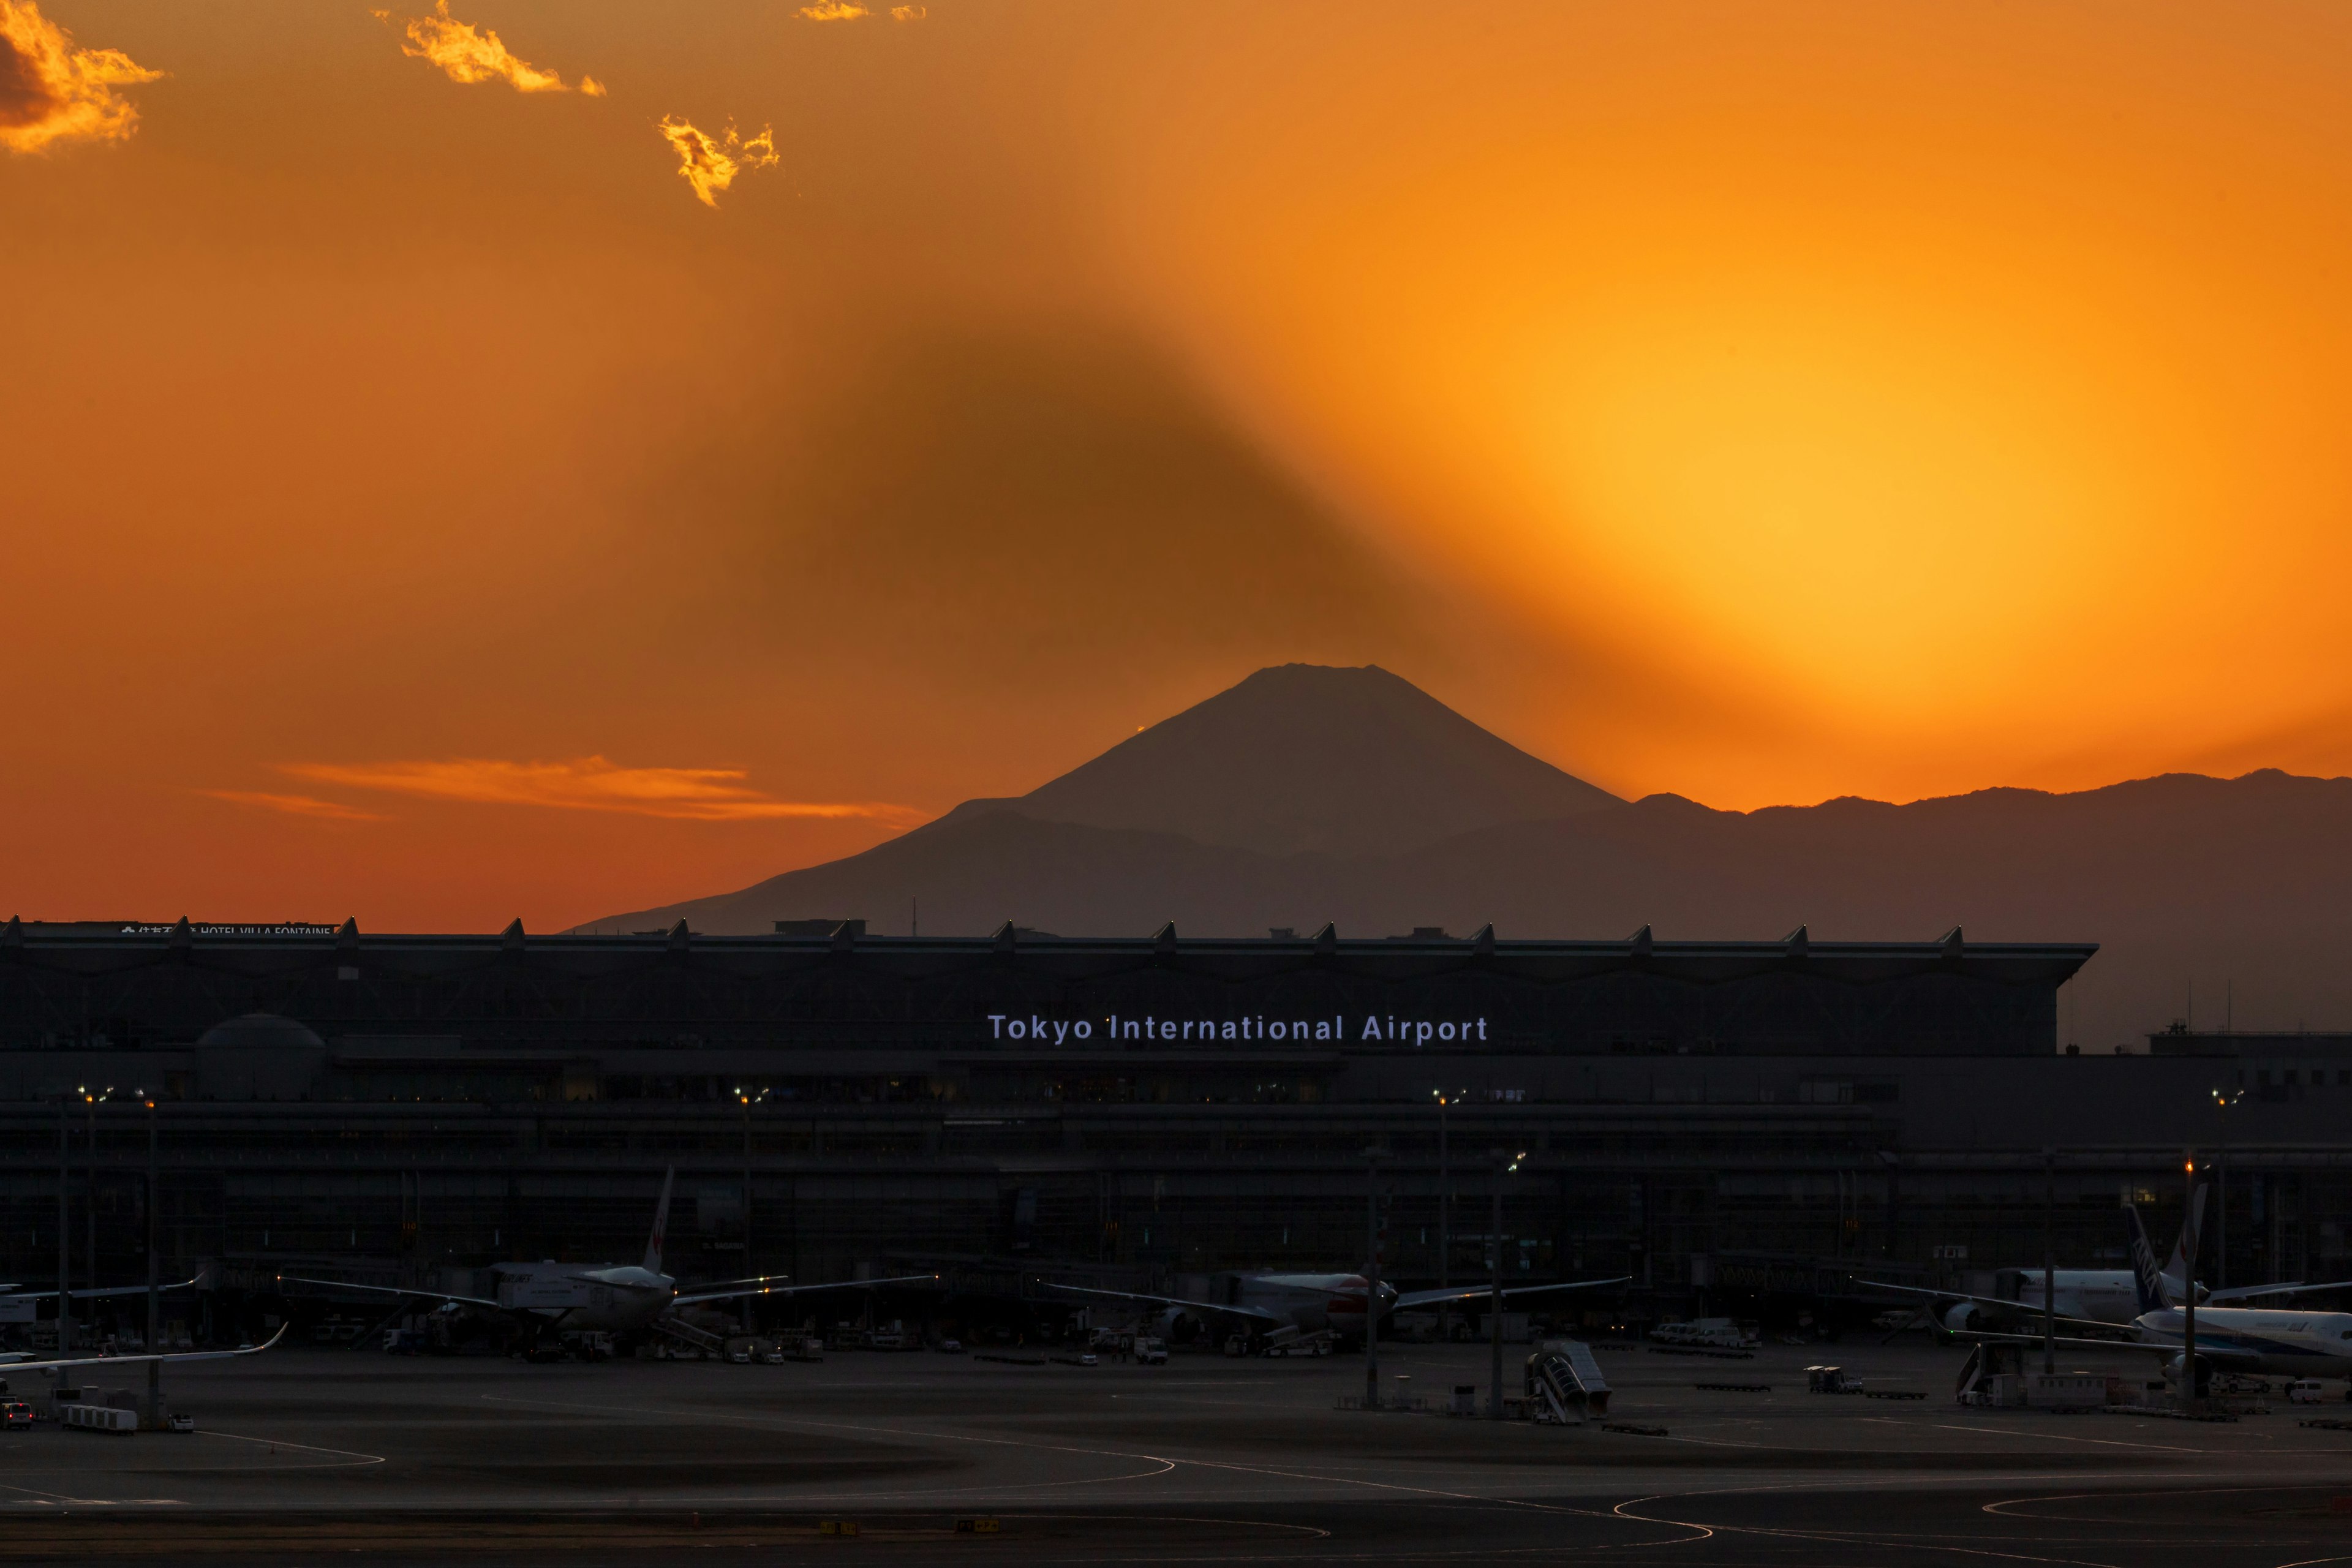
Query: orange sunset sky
[548, 457]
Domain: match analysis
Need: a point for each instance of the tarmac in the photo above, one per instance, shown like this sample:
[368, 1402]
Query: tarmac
[306, 1454]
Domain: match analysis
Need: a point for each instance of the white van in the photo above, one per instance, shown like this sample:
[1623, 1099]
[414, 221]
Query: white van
[2303, 1391]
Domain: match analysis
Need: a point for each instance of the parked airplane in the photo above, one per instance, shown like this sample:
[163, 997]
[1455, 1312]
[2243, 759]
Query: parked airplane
[1279, 1307]
[2109, 1296]
[615, 1298]
[2232, 1339]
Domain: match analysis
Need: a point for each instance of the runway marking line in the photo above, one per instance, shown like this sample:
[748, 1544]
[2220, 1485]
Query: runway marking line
[1167, 1465]
[2060, 1437]
[305, 1447]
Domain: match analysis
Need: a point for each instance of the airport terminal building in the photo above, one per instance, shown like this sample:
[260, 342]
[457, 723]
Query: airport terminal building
[1728, 1123]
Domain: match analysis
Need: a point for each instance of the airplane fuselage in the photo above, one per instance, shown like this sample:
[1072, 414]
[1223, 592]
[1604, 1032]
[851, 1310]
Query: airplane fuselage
[571, 1298]
[1314, 1302]
[2253, 1339]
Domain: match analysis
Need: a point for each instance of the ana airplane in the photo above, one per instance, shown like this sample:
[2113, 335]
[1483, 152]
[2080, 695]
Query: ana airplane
[2109, 1296]
[2233, 1339]
[1276, 1308]
[615, 1298]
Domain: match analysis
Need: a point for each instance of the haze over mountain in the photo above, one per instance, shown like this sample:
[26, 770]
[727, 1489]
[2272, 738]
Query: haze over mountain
[1305, 794]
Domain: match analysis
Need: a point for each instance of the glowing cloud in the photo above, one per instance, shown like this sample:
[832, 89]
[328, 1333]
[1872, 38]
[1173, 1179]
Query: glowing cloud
[470, 55]
[709, 163]
[834, 11]
[51, 91]
[592, 783]
[908, 12]
[295, 805]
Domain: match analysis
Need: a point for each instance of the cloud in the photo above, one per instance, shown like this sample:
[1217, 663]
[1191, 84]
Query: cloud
[592, 784]
[51, 91]
[470, 55]
[908, 12]
[709, 163]
[295, 805]
[834, 11]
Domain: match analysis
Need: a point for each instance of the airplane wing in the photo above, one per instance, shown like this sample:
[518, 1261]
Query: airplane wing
[1412, 1299]
[2002, 1304]
[119, 1291]
[1253, 1314]
[2251, 1292]
[748, 1288]
[141, 1360]
[398, 1290]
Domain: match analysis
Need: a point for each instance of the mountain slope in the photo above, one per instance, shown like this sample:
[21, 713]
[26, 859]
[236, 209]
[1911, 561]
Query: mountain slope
[1307, 757]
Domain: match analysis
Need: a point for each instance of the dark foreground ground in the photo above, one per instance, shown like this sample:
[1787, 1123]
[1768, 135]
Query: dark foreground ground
[311, 1456]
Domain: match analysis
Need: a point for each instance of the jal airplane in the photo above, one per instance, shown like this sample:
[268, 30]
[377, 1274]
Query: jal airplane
[1281, 1307]
[614, 1298]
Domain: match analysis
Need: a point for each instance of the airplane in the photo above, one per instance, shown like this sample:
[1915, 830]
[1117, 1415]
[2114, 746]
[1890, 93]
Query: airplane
[2108, 1295]
[615, 1298]
[2233, 1339]
[1277, 1308]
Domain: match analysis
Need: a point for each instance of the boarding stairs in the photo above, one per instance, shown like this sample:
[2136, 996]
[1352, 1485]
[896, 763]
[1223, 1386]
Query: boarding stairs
[1565, 1384]
[698, 1340]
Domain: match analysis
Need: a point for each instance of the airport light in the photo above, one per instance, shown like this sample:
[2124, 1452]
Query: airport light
[747, 1100]
[2188, 1286]
[91, 1099]
[1502, 1165]
[1444, 1100]
[2221, 1194]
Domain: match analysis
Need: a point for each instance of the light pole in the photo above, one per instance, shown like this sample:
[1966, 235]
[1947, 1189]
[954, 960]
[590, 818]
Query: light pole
[1500, 1167]
[64, 1229]
[2048, 1261]
[2221, 1194]
[154, 1420]
[89, 1189]
[2188, 1286]
[745, 1098]
[1373, 1278]
[1444, 1216]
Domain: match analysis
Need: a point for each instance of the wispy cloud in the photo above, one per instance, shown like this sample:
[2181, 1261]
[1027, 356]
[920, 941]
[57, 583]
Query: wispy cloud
[834, 11]
[591, 784]
[295, 805]
[470, 54]
[908, 12]
[709, 163]
[52, 92]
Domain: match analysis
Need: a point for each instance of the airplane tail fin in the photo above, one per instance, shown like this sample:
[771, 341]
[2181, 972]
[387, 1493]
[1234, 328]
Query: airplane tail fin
[2145, 1280]
[661, 1224]
[2180, 1269]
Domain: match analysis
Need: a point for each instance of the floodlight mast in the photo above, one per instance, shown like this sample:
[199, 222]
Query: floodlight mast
[2188, 1250]
[2048, 1261]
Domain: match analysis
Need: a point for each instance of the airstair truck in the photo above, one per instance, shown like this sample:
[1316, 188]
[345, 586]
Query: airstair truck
[1564, 1384]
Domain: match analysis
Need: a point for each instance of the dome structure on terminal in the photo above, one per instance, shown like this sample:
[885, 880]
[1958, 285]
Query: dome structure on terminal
[260, 1032]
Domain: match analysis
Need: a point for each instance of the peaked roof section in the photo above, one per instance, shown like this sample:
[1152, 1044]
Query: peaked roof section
[1303, 757]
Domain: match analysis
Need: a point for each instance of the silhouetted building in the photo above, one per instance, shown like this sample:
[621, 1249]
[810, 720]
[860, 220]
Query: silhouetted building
[1152, 1105]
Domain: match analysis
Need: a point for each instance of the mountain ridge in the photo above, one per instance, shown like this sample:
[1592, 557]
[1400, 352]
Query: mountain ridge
[2230, 884]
